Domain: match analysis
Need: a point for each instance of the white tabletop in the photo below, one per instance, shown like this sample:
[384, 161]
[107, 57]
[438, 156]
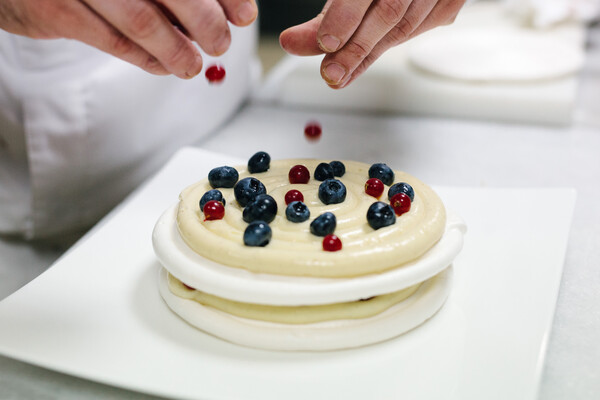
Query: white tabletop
[442, 152]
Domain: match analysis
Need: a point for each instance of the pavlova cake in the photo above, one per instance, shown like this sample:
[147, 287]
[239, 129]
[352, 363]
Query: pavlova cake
[306, 254]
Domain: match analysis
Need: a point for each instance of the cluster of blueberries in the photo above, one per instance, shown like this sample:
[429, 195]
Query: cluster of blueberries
[260, 208]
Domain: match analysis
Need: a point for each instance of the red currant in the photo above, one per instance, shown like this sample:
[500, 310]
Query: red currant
[312, 131]
[299, 174]
[374, 187]
[215, 73]
[400, 202]
[293, 195]
[332, 243]
[213, 210]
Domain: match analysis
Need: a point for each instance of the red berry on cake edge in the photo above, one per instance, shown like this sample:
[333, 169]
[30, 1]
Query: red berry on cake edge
[332, 243]
[215, 73]
[299, 174]
[313, 131]
[213, 210]
[293, 195]
[400, 202]
[374, 187]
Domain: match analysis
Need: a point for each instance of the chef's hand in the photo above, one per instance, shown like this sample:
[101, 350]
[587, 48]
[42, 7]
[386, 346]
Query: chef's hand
[354, 33]
[138, 31]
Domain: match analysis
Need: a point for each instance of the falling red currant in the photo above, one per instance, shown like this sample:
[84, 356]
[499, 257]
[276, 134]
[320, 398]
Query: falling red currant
[299, 174]
[332, 243]
[374, 187]
[293, 195]
[312, 131]
[213, 210]
[215, 73]
[400, 202]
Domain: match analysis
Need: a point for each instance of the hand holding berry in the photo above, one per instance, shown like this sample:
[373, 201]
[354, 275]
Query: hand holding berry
[354, 33]
[156, 36]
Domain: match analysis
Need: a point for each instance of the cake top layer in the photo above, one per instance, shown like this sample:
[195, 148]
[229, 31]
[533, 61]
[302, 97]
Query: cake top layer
[369, 245]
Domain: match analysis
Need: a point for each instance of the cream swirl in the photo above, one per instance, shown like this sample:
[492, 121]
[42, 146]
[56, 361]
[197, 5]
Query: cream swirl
[293, 250]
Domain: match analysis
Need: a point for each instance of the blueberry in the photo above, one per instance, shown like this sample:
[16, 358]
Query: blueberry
[401, 187]
[259, 162]
[247, 189]
[380, 214]
[212, 194]
[297, 211]
[263, 208]
[323, 225]
[257, 233]
[323, 171]
[339, 169]
[332, 191]
[223, 177]
[382, 172]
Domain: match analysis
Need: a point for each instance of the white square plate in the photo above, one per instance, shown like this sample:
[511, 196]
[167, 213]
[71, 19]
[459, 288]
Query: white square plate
[97, 313]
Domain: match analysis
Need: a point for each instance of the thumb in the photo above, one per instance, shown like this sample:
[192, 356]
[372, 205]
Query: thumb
[301, 40]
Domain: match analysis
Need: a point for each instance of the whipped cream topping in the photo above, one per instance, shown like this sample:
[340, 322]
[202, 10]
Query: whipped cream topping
[293, 250]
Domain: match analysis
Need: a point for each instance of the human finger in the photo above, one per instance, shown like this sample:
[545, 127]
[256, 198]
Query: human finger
[301, 40]
[340, 21]
[143, 23]
[75, 20]
[240, 12]
[443, 13]
[378, 21]
[172, 18]
[204, 21]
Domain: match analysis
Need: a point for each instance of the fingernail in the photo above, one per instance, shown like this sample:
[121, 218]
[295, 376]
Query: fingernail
[329, 43]
[346, 81]
[246, 12]
[334, 73]
[222, 44]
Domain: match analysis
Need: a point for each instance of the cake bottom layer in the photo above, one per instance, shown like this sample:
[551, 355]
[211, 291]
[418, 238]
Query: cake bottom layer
[321, 336]
[306, 314]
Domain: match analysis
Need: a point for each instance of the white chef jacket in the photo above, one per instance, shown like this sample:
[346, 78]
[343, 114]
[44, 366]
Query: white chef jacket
[79, 129]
